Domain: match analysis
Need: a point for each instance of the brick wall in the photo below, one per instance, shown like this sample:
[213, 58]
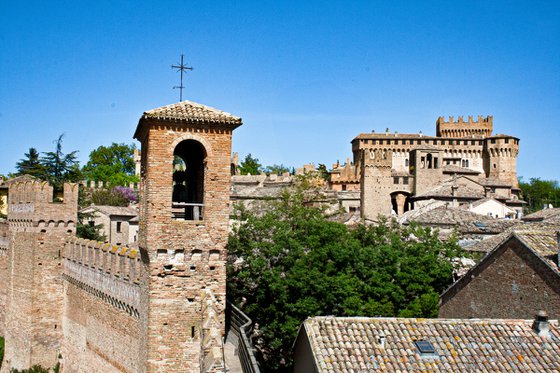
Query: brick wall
[511, 284]
[182, 258]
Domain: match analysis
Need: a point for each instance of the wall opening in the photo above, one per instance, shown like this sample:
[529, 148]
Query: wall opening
[188, 180]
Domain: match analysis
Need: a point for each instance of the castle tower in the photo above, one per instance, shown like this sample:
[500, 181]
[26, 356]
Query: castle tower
[500, 158]
[376, 182]
[480, 128]
[38, 224]
[426, 165]
[184, 215]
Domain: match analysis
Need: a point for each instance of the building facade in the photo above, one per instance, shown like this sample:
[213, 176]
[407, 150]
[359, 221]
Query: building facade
[393, 168]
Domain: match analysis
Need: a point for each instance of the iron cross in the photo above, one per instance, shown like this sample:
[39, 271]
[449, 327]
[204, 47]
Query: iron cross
[182, 67]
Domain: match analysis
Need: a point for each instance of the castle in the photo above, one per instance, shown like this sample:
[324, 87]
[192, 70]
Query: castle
[96, 307]
[464, 162]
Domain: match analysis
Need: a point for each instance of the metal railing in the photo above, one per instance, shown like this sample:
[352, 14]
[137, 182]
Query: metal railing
[187, 211]
[240, 324]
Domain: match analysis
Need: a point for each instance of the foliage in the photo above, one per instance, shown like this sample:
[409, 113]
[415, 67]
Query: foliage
[108, 197]
[539, 192]
[31, 165]
[1, 350]
[323, 172]
[114, 165]
[276, 169]
[83, 228]
[250, 166]
[61, 167]
[288, 262]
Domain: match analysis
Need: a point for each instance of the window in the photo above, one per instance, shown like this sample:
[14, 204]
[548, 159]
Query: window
[506, 141]
[436, 162]
[465, 163]
[492, 141]
[119, 227]
[405, 180]
[395, 180]
[91, 223]
[429, 160]
[425, 348]
[406, 162]
[188, 180]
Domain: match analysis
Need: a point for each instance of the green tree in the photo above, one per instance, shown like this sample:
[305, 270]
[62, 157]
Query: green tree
[1, 350]
[288, 262]
[31, 165]
[538, 193]
[250, 166]
[61, 167]
[276, 169]
[114, 165]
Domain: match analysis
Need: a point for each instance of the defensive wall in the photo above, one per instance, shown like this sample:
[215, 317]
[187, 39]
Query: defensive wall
[96, 307]
[102, 311]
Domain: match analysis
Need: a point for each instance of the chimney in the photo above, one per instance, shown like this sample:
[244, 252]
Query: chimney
[381, 339]
[541, 324]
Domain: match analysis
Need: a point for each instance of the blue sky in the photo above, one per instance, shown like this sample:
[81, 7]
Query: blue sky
[305, 76]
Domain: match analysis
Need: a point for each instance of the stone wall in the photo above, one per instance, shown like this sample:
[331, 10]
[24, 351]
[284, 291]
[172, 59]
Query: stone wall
[511, 284]
[101, 311]
[4, 243]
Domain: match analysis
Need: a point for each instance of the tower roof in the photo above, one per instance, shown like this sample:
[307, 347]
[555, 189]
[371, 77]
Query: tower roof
[190, 112]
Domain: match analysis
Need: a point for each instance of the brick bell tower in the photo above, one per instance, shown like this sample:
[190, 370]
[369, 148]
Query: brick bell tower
[184, 214]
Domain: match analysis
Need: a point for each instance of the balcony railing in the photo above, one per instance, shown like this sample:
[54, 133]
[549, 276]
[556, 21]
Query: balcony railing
[187, 211]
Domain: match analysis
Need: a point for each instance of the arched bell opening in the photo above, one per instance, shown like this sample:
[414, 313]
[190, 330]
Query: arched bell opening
[189, 158]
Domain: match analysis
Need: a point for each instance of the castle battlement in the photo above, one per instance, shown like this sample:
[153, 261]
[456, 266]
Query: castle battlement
[107, 271]
[35, 202]
[480, 128]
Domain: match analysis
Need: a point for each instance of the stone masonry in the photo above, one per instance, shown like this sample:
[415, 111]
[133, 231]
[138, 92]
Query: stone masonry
[394, 168]
[98, 307]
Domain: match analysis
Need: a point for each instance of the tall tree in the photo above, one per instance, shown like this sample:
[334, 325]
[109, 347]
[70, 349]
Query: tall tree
[31, 165]
[539, 192]
[114, 165]
[61, 167]
[250, 166]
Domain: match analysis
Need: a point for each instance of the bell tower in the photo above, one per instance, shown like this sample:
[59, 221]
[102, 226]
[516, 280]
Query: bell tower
[184, 215]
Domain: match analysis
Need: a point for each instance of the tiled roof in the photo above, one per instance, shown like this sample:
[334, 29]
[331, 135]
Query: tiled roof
[191, 112]
[113, 210]
[459, 170]
[543, 214]
[488, 181]
[464, 221]
[446, 190]
[353, 344]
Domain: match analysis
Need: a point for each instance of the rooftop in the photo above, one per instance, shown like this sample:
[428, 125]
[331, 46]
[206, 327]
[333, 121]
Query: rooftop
[352, 344]
[542, 215]
[114, 210]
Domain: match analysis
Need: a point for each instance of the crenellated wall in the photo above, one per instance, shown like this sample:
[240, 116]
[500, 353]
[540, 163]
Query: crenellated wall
[101, 310]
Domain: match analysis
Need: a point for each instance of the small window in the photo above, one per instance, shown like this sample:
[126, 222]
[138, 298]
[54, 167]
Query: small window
[395, 180]
[425, 348]
[492, 141]
[374, 142]
[506, 141]
[343, 187]
[119, 227]
[91, 223]
[405, 180]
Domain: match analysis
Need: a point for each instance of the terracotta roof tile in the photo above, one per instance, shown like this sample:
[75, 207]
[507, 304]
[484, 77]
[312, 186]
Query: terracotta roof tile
[353, 344]
[192, 112]
[543, 214]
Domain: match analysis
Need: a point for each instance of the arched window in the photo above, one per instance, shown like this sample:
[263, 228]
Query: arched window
[188, 180]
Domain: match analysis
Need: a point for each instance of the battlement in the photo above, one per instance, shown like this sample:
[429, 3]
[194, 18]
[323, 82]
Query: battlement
[33, 200]
[480, 128]
[108, 271]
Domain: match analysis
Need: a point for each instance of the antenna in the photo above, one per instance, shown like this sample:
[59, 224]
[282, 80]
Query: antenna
[181, 67]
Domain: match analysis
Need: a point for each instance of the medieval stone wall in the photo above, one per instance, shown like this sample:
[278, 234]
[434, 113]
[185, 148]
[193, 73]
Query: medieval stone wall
[101, 311]
[510, 285]
[4, 244]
